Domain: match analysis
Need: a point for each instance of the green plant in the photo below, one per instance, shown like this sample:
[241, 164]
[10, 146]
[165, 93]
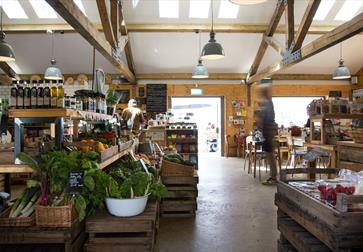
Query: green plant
[111, 98]
[130, 180]
[52, 172]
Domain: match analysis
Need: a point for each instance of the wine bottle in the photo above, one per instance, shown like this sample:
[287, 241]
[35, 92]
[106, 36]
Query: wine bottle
[34, 95]
[40, 94]
[27, 95]
[13, 95]
[20, 96]
[60, 94]
[46, 94]
[54, 94]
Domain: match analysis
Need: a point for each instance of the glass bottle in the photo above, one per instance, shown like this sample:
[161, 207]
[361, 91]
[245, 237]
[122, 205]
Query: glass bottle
[13, 95]
[54, 94]
[47, 95]
[34, 95]
[20, 97]
[27, 95]
[40, 94]
[60, 94]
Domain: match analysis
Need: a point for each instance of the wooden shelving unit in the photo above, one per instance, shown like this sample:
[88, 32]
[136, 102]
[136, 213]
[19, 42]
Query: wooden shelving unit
[187, 146]
[321, 119]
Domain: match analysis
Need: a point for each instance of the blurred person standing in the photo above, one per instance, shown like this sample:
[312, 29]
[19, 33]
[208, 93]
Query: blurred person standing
[133, 116]
[269, 130]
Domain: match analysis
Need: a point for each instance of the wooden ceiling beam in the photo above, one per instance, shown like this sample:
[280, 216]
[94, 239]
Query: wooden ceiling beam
[269, 32]
[231, 76]
[339, 34]
[106, 23]
[219, 28]
[290, 23]
[274, 44]
[8, 70]
[69, 11]
[124, 32]
[305, 24]
[114, 18]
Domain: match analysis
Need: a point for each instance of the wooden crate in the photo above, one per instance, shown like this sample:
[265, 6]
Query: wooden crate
[297, 237]
[71, 239]
[337, 229]
[350, 155]
[181, 200]
[104, 155]
[110, 233]
[2, 182]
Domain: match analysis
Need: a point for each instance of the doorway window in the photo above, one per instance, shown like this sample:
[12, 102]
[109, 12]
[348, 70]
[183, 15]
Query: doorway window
[291, 110]
[207, 116]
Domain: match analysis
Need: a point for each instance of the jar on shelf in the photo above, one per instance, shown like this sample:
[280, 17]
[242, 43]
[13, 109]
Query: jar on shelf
[334, 106]
[79, 102]
[325, 107]
[67, 102]
[344, 108]
[73, 101]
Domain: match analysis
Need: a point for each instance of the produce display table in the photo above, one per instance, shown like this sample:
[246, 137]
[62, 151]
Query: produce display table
[181, 200]
[71, 238]
[350, 155]
[305, 221]
[110, 233]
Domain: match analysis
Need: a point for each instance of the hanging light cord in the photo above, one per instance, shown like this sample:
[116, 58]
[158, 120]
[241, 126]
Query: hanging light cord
[212, 14]
[52, 45]
[341, 49]
[2, 34]
[199, 46]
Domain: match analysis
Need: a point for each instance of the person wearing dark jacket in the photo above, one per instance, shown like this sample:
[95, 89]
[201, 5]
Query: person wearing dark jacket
[269, 130]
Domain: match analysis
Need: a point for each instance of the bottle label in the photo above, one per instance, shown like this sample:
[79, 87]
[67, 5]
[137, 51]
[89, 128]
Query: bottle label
[26, 102]
[60, 102]
[54, 102]
[13, 102]
[34, 102]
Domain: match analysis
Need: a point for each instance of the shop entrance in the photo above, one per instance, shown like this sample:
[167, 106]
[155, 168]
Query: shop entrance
[207, 114]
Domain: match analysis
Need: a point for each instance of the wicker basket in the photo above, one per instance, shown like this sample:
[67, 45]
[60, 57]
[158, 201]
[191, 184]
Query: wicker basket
[55, 216]
[170, 169]
[5, 221]
[357, 135]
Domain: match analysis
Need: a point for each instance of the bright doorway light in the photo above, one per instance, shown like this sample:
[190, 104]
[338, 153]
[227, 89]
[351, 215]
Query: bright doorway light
[349, 10]
[169, 8]
[80, 6]
[323, 10]
[13, 9]
[135, 3]
[199, 8]
[43, 9]
[228, 10]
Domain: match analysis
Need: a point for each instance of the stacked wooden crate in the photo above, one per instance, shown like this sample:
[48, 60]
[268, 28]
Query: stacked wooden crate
[182, 196]
[110, 233]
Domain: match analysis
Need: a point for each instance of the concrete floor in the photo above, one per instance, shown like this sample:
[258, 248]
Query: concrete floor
[235, 213]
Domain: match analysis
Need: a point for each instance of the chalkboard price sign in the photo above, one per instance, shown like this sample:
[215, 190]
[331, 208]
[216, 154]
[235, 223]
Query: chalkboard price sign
[75, 182]
[156, 98]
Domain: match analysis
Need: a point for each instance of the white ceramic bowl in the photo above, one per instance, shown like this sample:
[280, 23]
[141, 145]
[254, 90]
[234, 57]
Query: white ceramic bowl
[126, 207]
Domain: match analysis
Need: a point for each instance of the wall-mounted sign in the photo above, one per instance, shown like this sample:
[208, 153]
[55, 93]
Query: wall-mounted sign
[196, 91]
[156, 98]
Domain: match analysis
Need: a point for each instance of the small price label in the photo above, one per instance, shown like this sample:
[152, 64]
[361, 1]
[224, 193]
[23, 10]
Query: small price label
[75, 181]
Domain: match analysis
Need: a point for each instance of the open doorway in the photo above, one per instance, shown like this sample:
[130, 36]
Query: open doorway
[207, 114]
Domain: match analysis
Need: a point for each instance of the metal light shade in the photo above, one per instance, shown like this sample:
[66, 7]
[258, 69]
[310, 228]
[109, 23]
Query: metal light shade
[212, 50]
[53, 72]
[342, 72]
[6, 51]
[200, 71]
[247, 2]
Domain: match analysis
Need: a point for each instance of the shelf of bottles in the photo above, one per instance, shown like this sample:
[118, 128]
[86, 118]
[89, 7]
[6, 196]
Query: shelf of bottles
[49, 94]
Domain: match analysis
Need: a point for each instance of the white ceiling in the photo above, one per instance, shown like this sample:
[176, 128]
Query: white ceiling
[175, 52]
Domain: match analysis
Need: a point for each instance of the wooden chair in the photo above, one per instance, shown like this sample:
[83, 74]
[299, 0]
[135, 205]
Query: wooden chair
[229, 145]
[248, 153]
[296, 153]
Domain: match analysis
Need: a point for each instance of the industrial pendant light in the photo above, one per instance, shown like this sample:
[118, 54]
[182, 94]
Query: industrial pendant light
[247, 2]
[199, 71]
[212, 50]
[341, 72]
[53, 72]
[6, 51]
